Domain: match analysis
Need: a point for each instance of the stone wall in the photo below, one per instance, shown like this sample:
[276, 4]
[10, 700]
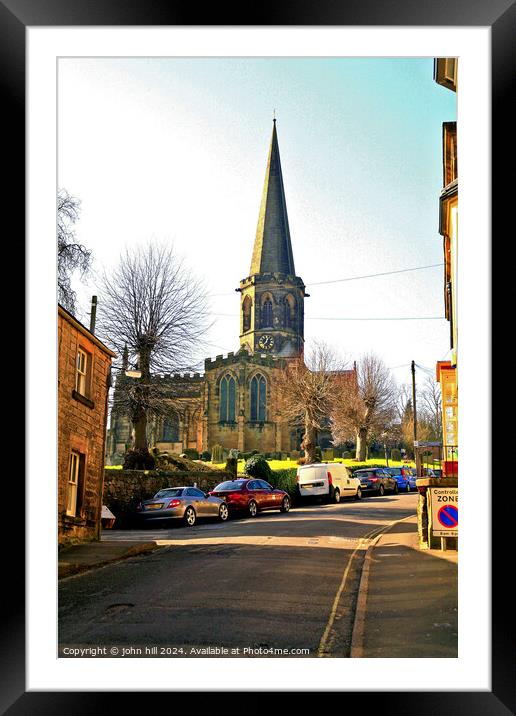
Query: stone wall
[124, 489]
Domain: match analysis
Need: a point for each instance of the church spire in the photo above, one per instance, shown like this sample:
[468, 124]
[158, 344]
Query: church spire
[272, 251]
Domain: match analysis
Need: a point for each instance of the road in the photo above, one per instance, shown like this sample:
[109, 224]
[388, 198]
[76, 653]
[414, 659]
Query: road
[286, 582]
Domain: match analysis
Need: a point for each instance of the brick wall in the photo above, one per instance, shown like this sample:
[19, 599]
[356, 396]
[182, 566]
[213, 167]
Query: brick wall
[81, 428]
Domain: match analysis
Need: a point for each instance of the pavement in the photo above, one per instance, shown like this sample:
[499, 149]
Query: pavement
[407, 600]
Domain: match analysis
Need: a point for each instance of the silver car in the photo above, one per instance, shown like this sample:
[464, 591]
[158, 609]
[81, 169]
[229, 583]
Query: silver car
[184, 503]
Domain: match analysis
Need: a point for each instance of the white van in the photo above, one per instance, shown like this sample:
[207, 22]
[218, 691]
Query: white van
[331, 481]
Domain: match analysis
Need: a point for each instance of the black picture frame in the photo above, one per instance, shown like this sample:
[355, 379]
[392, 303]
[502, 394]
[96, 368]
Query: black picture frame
[15, 17]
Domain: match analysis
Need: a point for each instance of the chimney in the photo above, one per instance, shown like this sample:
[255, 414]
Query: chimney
[93, 314]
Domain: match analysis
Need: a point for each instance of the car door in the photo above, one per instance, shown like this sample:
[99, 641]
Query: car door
[199, 501]
[258, 493]
[272, 498]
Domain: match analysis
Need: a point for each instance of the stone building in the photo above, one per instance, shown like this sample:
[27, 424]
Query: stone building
[84, 365]
[234, 403]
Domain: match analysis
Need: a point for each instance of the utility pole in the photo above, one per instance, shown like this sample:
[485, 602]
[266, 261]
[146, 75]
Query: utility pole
[414, 408]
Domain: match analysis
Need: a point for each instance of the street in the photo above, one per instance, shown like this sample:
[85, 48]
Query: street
[286, 582]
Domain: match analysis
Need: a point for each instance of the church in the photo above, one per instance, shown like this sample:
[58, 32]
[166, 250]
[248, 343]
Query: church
[234, 403]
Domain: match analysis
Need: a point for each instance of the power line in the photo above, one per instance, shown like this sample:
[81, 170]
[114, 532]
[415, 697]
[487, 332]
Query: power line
[352, 278]
[373, 275]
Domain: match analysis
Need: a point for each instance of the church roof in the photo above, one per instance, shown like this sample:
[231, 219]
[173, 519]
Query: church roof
[272, 251]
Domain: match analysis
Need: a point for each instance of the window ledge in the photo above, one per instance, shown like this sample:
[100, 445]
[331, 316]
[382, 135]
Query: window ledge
[83, 399]
[78, 521]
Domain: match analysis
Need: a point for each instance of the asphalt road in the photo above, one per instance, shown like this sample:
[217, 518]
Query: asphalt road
[243, 588]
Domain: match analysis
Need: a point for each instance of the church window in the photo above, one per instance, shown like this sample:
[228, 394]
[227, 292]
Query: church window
[267, 313]
[171, 429]
[246, 310]
[227, 410]
[258, 399]
[290, 311]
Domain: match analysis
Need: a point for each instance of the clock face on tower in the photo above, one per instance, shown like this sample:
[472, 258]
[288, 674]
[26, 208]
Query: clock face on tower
[266, 342]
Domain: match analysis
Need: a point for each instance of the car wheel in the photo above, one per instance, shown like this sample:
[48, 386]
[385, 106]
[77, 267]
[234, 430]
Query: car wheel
[285, 505]
[336, 496]
[253, 509]
[358, 496]
[223, 512]
[395, 489]
[381, 490]
[190, 517]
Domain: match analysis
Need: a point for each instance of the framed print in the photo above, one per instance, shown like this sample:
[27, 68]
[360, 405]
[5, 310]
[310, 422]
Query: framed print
[95, 92]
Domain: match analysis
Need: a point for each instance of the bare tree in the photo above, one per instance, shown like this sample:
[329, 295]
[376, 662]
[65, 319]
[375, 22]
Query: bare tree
[71, 256]
[305, 388]
[432, 407]
[364, 405]
[154, 311]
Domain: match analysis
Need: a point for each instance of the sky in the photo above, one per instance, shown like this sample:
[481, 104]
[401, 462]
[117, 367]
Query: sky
[175, 150]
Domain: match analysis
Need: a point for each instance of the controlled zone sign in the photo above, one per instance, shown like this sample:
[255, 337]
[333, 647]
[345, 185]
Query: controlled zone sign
[445, 511]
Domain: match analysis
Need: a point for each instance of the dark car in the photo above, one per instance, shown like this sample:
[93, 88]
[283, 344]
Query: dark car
[183, 503]
[251, 496]
[376, 480]
[405, 477]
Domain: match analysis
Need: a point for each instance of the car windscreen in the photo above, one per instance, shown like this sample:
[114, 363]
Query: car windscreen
[394, 470]
[364, 473]
[230, 485]
[177, 492]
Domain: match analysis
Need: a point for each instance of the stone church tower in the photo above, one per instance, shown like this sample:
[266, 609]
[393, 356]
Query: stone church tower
[234, 404]
[272, 296]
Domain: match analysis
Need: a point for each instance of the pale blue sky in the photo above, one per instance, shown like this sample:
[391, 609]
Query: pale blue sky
[176, 149]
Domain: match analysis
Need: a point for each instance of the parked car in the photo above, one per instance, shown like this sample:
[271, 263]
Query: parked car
[376, 480]
[327, 481]
[250, 495]
[403, 477]
[181, 503]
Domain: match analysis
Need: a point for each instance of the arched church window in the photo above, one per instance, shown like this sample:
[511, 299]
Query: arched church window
[267, 313]
[246, 310]
[227, 405]
[258, 399]
[290, 311]
[170, 432]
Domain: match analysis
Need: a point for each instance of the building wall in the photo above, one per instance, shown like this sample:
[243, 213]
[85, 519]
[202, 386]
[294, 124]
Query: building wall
[271, 435]
[81, 428]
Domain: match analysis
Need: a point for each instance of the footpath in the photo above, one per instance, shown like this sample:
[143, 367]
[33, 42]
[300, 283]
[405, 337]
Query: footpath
[407, 603]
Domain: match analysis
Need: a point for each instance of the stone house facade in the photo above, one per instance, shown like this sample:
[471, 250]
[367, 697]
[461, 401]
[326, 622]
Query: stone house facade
[84, 365]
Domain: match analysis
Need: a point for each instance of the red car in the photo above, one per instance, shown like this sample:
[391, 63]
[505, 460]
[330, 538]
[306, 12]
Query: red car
[251, 495]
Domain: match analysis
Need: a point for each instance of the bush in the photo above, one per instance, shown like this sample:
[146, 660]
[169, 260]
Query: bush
[395, 455]
[347, 455]
[234, 453]
[318, 453]
[285, 480]
[140, 459]
[257, 466]
[206, 455]
[192, 453]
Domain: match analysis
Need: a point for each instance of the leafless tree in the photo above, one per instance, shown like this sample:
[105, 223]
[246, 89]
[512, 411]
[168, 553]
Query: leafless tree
[305, 388]
[430, 402]
[365, 405]
[152, 309]
[71, 256]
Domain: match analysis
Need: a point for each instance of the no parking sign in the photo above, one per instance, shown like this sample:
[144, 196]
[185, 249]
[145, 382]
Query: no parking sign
[445, 511]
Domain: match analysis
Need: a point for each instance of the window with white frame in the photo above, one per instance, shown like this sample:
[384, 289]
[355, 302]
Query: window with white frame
[81, 372]
[73, 484]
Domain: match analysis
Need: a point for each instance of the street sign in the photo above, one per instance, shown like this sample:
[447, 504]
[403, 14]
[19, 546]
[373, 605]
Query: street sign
[444, 511]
